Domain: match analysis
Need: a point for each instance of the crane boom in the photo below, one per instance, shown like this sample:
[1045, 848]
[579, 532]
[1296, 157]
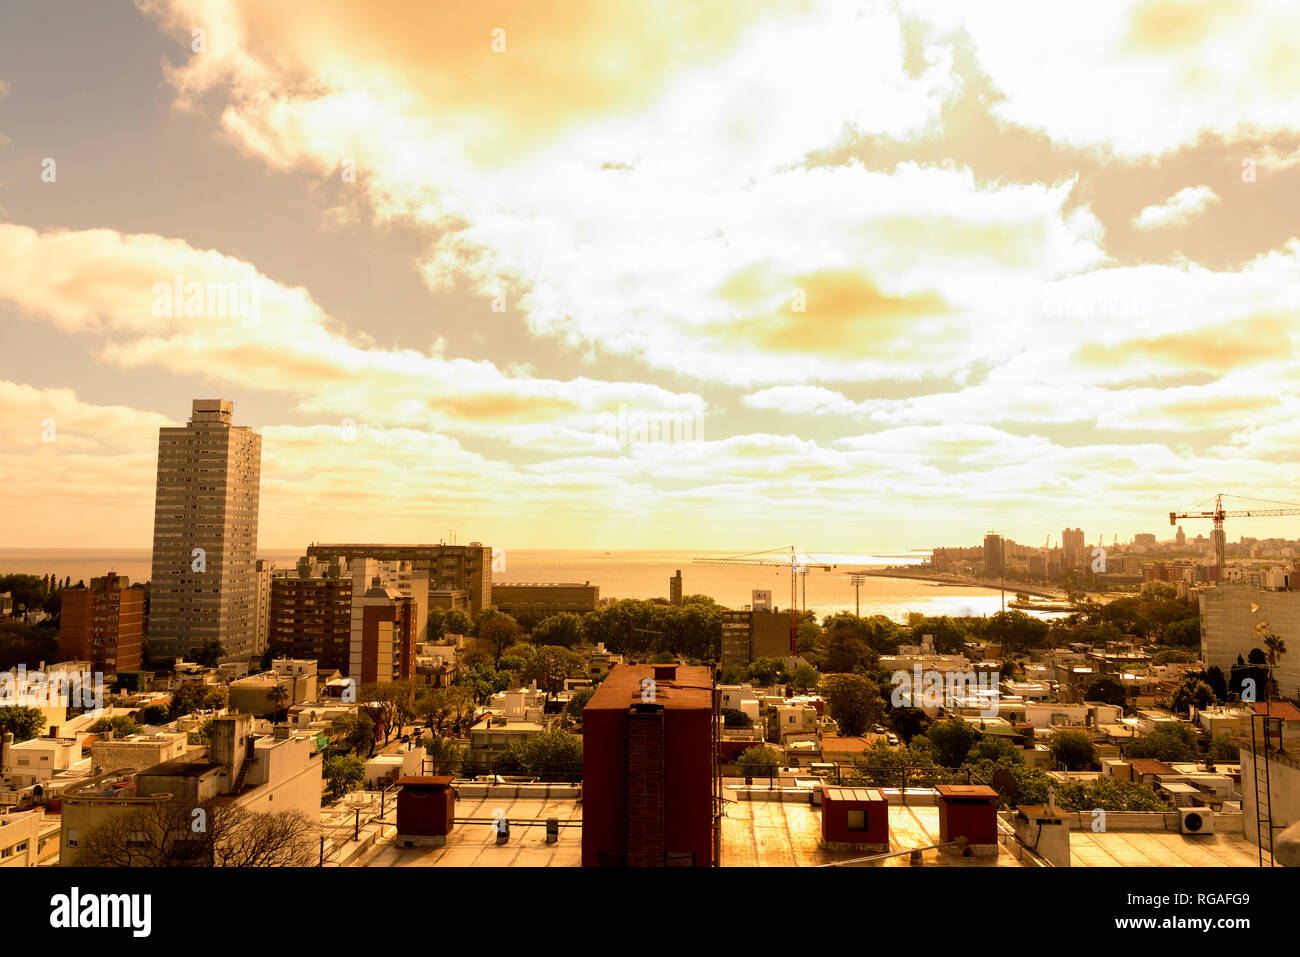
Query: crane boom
[796, 567]
[1219, 513]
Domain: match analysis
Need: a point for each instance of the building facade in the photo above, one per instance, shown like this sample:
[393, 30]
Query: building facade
[647, 768]
[312, 618]
[103, 624]
[541, 599]
[204, 582]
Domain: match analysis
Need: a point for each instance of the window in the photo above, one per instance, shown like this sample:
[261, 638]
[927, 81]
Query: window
[857, 820]
[679, 859]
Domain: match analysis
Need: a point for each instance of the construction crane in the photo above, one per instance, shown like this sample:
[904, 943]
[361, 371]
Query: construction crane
[799, 562]
[1219, 514]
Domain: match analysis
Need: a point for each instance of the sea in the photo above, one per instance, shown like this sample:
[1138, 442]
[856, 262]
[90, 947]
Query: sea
[628, 574]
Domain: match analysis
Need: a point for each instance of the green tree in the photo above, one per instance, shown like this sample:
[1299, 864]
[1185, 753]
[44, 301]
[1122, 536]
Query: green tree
[155, 714]
[854, 702]
[907, 723]
[1192, 691]
[735, 718]
[993, 747]
[121, 726]
[1074, 749]
[209, 656]
[496, 633]
[1168, 741]
[577, 701]
[444, 753]
[764, 672]
[809, 634]
[1223, 749]
[203, 736]
[1107, 689]
[276, 696]
[564, 630]
[353, 734]
[1016, 631]
[552, 755]
[457, 622]
[343, 773]
[846, 650]
[758, 761]
[1185, 633]
[951, 741]
[804, 678]
[389, 704]
[24, 723]
[550, 666]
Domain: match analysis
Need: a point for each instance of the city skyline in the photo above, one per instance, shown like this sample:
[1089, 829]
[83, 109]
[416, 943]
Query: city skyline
[882, 281]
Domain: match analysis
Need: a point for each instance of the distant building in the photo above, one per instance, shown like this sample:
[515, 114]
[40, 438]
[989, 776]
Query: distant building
[438, 567]
[103, 624]
[749, 635]
[675, 588]
[204, 582]
[262, 614]
[252, 695]
[647, 769]
[312, 618]
[1073, 547]
[543, 599]
[1144, 540]
[384, 632]
[992, 554]
[1229, 614]
[259, 773]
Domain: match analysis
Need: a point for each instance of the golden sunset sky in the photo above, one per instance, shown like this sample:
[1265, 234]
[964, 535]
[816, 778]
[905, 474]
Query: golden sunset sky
[922, 270]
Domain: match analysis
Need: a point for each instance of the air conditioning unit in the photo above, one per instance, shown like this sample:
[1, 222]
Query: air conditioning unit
[1195, 820]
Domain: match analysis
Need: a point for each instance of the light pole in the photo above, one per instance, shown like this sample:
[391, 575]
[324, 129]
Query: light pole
[857, 578]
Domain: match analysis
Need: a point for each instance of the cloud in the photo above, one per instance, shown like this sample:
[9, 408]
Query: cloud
[1178, 210]
[151, 298]
[1138, 77]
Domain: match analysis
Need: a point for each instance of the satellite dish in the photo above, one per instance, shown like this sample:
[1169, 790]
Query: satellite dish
[1004, 782]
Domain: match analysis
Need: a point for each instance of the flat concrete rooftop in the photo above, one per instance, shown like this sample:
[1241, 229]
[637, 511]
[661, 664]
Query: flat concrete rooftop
[475, 845]
[786, 834]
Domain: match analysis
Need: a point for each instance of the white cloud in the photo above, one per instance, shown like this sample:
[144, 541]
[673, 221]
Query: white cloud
[1178, 210]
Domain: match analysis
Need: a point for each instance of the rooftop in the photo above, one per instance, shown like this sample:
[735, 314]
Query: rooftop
[1278, 709]
[692, 688]
[475, 844]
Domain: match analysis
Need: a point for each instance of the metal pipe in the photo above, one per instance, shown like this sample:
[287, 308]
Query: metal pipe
[959, 842]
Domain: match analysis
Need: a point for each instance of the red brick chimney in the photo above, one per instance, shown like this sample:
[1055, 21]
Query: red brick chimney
[645, 785]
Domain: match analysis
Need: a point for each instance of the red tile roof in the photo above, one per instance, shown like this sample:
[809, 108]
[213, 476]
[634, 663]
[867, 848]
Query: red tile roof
[1278, 709]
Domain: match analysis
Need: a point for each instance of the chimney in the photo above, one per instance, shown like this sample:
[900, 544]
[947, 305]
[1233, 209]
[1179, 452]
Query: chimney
[645, 786]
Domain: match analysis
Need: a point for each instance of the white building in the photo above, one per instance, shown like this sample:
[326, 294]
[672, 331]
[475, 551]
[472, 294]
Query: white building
[205, 534]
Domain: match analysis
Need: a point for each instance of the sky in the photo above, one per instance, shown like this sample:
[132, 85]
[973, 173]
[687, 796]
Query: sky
[855, 276]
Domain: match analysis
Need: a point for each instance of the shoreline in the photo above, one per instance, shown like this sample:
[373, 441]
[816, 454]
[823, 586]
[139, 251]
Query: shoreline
[1034, 591]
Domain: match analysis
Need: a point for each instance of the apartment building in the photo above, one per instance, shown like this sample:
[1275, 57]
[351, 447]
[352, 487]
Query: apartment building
[312, 618]
[434, 567]
[205, 535]
[103, 624]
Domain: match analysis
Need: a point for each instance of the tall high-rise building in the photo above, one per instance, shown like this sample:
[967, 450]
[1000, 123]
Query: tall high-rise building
[103, 624]
[675, 588]
[204, 586]
[1073, 547]
[993, 554]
